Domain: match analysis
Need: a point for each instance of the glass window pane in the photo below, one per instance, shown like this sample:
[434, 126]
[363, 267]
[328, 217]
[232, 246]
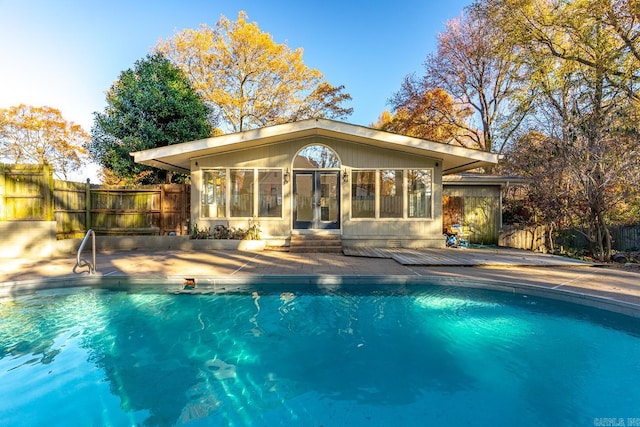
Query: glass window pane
[363, 194]
[270, 193]
[420, 184]
[390, 194]
[329, 197]
[214, 193]
[241, 193]
[304, 196]
[316, 156]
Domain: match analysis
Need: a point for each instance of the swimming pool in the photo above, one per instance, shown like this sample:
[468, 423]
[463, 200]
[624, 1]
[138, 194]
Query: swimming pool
[314, 355]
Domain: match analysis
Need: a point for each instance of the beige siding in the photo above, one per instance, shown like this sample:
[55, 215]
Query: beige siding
[351, 155]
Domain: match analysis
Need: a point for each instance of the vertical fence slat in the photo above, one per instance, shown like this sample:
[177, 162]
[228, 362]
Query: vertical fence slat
[87, 206]
[2, 193]
[47, 191]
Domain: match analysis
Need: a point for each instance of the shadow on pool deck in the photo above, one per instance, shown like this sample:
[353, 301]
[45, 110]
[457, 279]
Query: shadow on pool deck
[493, 265]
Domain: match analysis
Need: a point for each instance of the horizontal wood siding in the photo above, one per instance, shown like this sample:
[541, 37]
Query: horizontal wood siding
[281, 155]
[393, 229]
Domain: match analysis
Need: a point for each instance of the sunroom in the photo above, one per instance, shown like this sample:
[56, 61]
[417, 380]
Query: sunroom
[318, 177]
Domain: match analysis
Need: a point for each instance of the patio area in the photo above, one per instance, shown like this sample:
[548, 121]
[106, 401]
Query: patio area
[491, 265]
[467, 257]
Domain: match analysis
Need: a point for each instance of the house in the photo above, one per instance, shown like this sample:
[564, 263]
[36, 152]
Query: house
[319, 176]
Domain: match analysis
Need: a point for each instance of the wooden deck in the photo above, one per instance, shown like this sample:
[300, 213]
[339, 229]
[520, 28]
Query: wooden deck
[465, 257]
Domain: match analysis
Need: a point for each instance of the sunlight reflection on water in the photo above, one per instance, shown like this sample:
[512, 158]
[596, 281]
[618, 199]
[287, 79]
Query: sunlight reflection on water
[435, 354]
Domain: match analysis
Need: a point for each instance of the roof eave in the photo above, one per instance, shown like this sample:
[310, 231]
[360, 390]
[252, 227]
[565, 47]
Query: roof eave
[179, 157]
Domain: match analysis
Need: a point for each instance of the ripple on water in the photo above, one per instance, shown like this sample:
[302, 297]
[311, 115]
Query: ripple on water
[432, 355]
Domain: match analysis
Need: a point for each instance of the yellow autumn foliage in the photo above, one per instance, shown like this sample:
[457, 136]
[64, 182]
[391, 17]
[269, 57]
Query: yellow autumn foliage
[38, 135]
[247, 78]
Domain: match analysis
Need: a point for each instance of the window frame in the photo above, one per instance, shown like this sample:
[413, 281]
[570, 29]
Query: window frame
[235, 173]
[428, 192]
[256, 192]
[375, 194]
[279, 197]
[204, 193]
[405, 194]
[380, 181]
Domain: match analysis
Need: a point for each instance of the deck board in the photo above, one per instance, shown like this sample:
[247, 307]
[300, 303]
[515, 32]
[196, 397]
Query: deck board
[464, 257]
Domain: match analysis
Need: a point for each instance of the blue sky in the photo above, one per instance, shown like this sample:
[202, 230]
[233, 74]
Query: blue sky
[67, 53]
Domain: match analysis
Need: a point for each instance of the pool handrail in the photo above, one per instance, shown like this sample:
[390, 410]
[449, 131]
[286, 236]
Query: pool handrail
[83, 262]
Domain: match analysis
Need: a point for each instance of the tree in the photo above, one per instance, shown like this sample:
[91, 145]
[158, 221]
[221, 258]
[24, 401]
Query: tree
[586, 75]
[477, 67]
[250, 81]
[574, 31]
[41, 135]
[551, 199]
[428, 114]
[151, 105]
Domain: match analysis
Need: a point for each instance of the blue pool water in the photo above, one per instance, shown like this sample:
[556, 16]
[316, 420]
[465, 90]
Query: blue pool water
[419, 355]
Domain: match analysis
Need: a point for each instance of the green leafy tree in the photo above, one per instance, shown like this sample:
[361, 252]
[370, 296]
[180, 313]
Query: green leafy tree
[152, 105]
[584, 68]
[250, 81]
[598, 35]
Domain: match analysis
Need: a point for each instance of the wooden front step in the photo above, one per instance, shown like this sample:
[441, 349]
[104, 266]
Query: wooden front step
[326, 243]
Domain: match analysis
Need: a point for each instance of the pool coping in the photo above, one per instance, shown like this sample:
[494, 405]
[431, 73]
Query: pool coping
[206, 285]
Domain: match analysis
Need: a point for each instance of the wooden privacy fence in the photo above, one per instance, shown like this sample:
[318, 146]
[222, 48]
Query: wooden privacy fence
[513, 236]
[28, 192]
[625, 238]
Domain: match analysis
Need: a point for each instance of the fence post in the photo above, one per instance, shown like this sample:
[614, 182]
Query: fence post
[184, 213]
[87, 206]
[2, 193]
[47, 184]
[162, 208]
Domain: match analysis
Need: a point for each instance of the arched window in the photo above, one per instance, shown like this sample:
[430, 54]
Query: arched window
[316, 157]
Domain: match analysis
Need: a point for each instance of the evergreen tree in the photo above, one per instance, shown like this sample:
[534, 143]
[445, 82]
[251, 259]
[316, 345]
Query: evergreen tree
[152, 105]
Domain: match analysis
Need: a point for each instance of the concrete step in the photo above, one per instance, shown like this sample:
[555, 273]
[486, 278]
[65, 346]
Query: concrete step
[276, 248]
[316, 249]
[308, 243]
[316, 242]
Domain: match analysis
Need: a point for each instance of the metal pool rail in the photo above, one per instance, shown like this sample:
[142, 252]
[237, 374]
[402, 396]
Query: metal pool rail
[81, 262]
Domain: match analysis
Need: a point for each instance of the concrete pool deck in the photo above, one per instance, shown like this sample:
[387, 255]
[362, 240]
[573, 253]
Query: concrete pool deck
[527, 269]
